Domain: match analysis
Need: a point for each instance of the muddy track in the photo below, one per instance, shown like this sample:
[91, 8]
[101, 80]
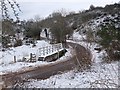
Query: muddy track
[81, 59]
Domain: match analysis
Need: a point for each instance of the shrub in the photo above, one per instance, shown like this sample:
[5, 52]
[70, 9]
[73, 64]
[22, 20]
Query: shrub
[110, 41]
[18, 43]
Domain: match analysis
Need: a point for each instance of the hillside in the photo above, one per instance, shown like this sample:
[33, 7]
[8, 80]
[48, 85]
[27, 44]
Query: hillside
[98, 24]
[97, 30]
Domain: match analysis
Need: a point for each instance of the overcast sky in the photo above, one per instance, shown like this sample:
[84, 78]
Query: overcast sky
[31, 8]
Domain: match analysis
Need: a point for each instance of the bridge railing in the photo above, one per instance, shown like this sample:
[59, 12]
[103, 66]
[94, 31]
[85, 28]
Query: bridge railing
[50, 49]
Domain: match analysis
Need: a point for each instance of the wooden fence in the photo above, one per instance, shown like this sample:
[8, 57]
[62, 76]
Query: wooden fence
[50, 49]
[42, 52]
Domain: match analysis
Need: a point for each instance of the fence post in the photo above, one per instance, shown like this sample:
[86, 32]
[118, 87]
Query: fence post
[49, 49]
[40, 51]
[14, 59]
[43, 50]
[58, 50]
[52, 48]
[30, 57]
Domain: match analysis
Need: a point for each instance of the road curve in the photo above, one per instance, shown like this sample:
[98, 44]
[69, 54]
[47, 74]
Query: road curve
[82, 58]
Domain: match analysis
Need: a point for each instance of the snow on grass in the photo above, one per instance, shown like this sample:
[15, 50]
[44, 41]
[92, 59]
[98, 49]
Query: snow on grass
[7, 64]
[7, 57]
[96, 56]
[79, 39]
[77, 36]
[19, 66]
[96, 78]
[20, 52]
[101, 75]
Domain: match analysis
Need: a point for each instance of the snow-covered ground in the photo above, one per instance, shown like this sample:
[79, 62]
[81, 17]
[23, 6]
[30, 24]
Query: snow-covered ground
[7, 56]
[101, 75]
[7, 63]
[98, 77]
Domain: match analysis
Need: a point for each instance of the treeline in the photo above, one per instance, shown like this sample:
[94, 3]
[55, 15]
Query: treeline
[62, 25]
[110, 39]
[11, 31]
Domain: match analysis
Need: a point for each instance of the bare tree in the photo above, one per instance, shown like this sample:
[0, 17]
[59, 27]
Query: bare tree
[14, 6]
[60, 28]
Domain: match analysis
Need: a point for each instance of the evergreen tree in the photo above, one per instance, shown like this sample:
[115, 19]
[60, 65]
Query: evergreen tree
[110, 40]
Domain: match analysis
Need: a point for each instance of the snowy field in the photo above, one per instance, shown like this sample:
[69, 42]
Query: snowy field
[7, 63]
[20, 52]
[101, 75]
[98, 77]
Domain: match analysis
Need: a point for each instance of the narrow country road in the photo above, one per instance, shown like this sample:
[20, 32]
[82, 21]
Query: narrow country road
[81, 59]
